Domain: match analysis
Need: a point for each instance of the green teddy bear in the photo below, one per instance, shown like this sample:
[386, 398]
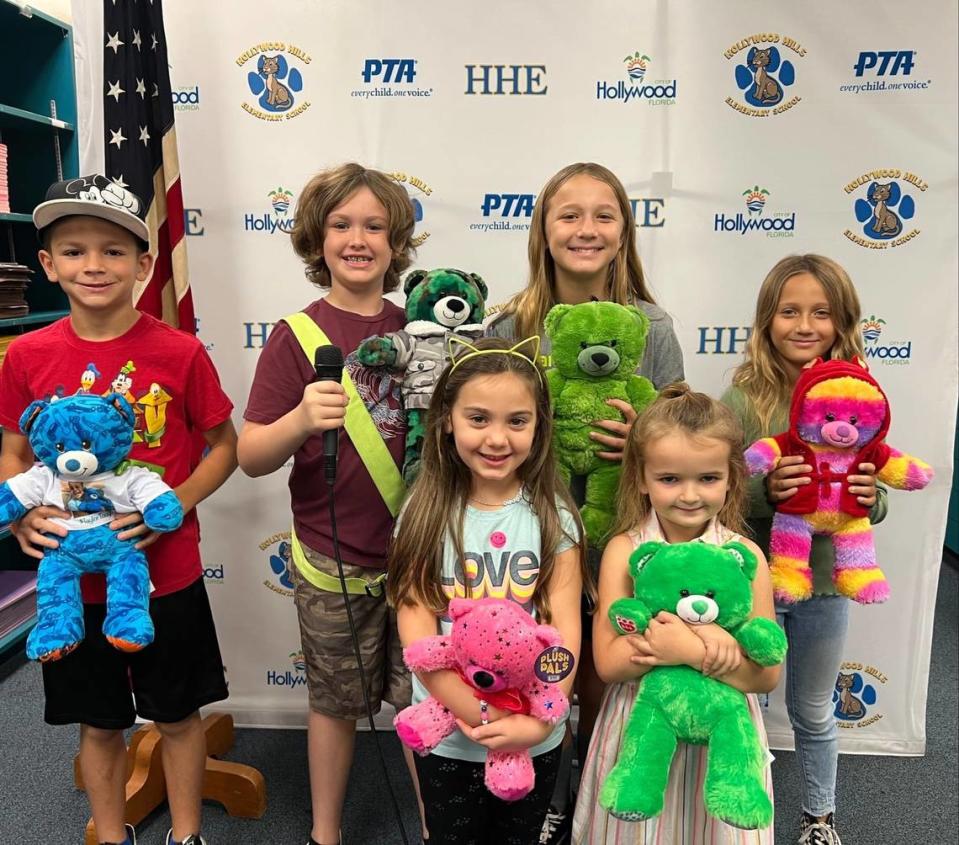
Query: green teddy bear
[596, 349]
[700, 583]
[439, 304]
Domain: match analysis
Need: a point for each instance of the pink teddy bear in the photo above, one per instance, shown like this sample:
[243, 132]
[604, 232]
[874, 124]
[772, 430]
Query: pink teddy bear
[494, 647]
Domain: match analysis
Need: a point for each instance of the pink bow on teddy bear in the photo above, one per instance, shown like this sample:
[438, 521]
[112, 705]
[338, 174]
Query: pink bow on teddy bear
[493, 646]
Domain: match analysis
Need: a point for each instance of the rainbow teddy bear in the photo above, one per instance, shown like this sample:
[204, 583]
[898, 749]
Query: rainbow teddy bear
[838, 419]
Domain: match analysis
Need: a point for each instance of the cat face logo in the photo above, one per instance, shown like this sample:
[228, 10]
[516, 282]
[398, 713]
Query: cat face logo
[885, 203]
[856, 694]
[764, 74]
[279, 559]
[275, 80]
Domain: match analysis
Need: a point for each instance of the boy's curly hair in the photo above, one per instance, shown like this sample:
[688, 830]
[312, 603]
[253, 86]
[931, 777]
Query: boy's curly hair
[330, 189]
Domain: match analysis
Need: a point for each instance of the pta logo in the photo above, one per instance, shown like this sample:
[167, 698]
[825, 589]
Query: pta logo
[506, 79]
[389, 78]
[510, 212]
[389, 70]
[892, 61]
[722, 340]
[897, 353]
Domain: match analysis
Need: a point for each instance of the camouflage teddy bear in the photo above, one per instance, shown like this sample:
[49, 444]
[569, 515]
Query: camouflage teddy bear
[439, 304]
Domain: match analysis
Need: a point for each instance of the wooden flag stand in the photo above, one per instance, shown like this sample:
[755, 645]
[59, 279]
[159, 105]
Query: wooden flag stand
[240, 789]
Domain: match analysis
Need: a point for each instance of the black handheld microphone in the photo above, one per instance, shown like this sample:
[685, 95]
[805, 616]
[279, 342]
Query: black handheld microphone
[328, 363]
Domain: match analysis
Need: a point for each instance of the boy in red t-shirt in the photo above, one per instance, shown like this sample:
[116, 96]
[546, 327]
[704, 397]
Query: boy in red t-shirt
[95, 246]
[354, 231]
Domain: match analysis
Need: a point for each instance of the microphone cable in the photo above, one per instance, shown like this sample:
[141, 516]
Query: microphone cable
[359, 663]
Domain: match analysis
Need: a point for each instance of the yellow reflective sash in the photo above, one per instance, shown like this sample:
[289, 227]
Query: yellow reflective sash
[330, 583]
[359, 426]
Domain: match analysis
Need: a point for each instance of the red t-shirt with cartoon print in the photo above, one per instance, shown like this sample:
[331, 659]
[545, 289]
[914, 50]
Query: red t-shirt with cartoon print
[168, 378]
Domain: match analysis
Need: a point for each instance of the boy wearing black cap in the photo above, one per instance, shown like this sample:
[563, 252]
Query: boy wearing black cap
[95, 245]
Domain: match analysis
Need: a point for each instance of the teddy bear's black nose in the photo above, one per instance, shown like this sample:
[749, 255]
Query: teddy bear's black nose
[456, 305]
[483, 680]
[600, 359]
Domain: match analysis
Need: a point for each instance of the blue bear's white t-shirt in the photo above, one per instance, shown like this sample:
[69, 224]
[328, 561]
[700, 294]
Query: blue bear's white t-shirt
[92, 501]
[502, 557]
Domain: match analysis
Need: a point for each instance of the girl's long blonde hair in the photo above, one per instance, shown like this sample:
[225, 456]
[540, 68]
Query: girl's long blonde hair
[677, 408]
[626, 283]
[436, 506]
[762, 376]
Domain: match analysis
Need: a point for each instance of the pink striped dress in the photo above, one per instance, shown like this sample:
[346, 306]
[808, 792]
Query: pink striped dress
[684, 820]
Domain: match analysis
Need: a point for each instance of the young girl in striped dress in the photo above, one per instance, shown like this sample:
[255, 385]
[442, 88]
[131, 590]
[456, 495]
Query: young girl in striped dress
[683, 480]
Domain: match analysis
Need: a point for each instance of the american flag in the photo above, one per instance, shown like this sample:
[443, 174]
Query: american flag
[140, 147]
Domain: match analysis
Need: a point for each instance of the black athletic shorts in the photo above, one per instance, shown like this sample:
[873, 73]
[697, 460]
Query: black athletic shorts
[179, 672]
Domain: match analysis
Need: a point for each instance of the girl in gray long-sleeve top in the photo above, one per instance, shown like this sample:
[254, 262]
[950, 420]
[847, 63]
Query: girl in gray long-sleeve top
[582, 246]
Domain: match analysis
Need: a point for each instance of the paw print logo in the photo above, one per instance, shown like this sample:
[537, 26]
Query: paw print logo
[763, 76]
[852, 696]
[883, 209]
[282, 562]
[274, 82]
[627, 626]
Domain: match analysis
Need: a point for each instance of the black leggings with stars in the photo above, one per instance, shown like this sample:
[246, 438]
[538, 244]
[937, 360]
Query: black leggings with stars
[460, 810]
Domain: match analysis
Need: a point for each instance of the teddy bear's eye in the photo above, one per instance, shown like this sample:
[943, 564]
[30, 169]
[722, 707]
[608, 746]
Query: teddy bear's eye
[584, 345]
[830, 417]
[684, 593]
[853, 419]
[710, 594]
[613, 342]
[58, 447]
[85, 445]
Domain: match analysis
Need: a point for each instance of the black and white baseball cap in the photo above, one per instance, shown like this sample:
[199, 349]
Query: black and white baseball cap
[93, 196]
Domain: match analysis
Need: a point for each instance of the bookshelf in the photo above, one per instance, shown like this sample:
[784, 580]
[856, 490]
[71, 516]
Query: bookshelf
[38, 115]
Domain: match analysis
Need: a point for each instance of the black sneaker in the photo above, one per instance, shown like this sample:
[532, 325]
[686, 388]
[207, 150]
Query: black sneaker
[812, 831]
[192, 839]
[557, 827]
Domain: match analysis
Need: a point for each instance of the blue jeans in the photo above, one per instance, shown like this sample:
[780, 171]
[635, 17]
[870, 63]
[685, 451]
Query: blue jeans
[816, 632]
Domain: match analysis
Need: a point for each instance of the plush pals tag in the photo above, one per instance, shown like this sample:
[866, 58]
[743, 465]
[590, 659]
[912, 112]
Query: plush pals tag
[554, 664]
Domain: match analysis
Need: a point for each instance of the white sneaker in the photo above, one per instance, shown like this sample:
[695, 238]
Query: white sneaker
[192, 839]
[813, 832]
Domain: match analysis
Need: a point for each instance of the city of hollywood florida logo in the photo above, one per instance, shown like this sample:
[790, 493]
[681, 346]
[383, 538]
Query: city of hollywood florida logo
[658, 92]
[278, 219]
[884, 205]
[276, 82]
[755, 199]
[896, 352]
[872, 328]
[764, 76]
[416, 188]
[780, 224]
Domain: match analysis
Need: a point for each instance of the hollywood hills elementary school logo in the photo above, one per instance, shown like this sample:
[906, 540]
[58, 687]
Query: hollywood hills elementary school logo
[278, 218]
[884, 205]
[418, 191]
[654, 92]
[856, 694]
[764, 74]
[777, 224]
[896, 353]
[279, 559]
[275, 80]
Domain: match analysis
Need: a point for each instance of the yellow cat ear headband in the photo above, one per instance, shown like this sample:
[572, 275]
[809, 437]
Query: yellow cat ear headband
[531, 355]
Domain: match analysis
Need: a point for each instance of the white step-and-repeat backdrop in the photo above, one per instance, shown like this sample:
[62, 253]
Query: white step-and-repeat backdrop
[472, 107]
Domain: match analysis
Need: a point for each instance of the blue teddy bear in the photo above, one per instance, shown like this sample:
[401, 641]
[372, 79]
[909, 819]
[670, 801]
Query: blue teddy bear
[81, 442]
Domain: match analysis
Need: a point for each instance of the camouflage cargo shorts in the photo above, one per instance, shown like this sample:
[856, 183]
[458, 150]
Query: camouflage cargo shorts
[332, 676]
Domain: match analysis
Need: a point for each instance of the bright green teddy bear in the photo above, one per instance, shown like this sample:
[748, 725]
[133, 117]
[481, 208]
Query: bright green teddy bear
[596, 349]
[700, 583]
